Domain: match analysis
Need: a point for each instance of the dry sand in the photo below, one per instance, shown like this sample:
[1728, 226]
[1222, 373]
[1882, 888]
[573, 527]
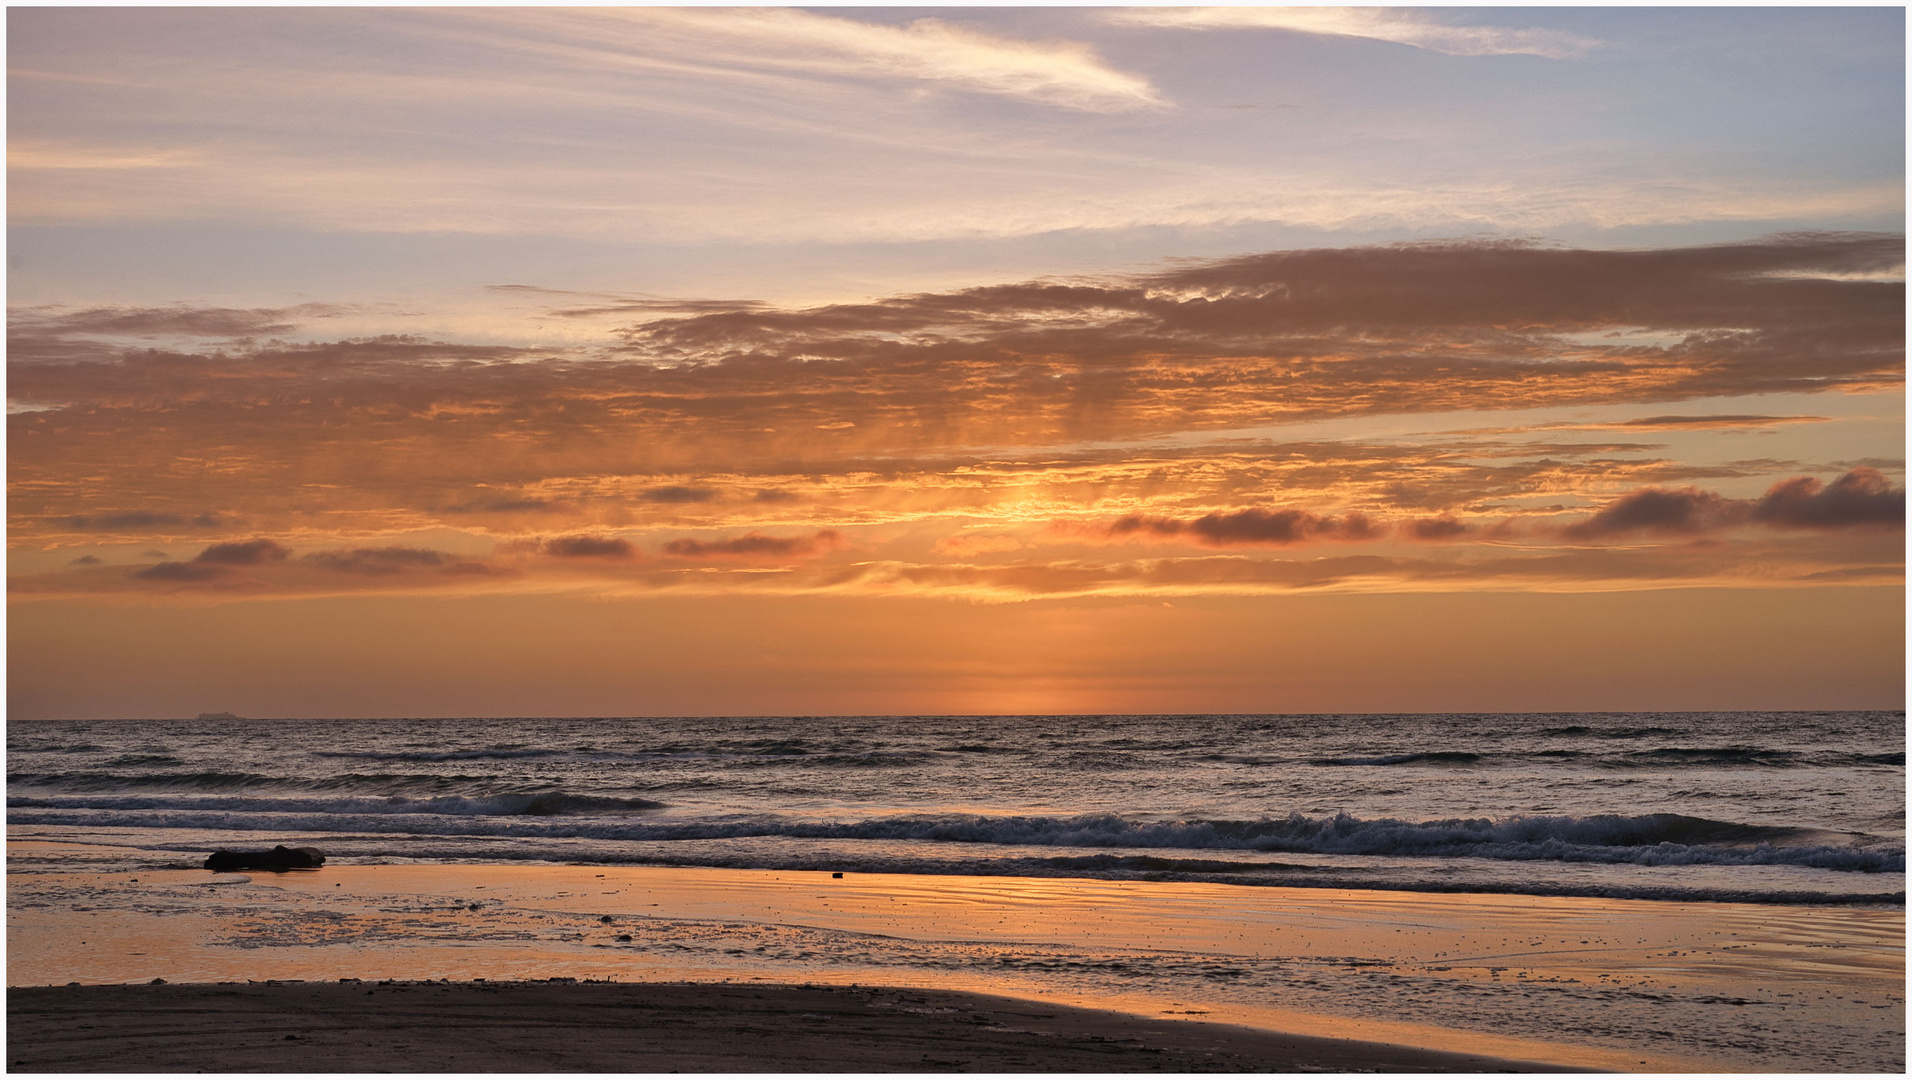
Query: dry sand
[649, 1027]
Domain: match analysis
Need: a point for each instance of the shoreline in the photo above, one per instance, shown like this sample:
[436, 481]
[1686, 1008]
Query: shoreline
[572, 1026]
[1618, 985]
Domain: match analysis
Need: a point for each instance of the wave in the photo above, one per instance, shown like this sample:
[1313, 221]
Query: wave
[22, 746]
[1643, 840]
[1105, 867]
[127, 761]
[522, 804]
[1714, 757]
[1611, 733]
[1730, 757]
[1432, 757]
[212, 780]
[437, 755]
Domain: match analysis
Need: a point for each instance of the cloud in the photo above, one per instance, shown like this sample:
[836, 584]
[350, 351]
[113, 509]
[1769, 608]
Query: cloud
[508, 505]
[87, 560]
[590, 547]
[1677, 423]
[140, 521]
[1686, 510]
[178, 320]
[1438, 528]
[215, 563]
[677, 493]
[756, 545]
[181, 572]
[382, 560]
[1063, 73]
[1006, 406]
[1860, 497]
[1227, 343]
[131, 520]
[242, 553]
[1399, 25]
[1255, 527]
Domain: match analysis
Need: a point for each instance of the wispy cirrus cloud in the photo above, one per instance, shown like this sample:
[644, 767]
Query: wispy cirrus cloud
[177, 320]
[1403, 26]
[1855, 559]
[1063, 73]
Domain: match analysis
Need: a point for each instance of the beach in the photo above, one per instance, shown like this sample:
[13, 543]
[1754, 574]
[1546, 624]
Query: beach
[566, 1026]
[1556, 981]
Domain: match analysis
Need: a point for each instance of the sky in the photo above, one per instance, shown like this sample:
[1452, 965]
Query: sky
[654, 361]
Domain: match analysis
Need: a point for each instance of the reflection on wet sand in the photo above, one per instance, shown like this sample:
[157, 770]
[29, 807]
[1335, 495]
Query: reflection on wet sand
[1601, 983]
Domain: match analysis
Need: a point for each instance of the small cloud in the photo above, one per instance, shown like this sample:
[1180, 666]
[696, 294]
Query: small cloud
[179, 571]
[511, 506]
[676, 493]
[757, 545]
[1658, 510]
[1860, 497]
[132, 519]
[246, 553]
[87, 560]
[1444, 527]
[1398, 25]
[775, 495]
[178, 319]
[590, 547]
[1253, 527]
[384, 560]
[1061, 73]
[1720, 421]
[215, 561]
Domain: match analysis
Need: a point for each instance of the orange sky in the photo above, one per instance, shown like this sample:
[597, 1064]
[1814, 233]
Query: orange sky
[1359, 473]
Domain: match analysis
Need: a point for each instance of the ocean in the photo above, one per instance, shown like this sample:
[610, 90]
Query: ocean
[1791, 808]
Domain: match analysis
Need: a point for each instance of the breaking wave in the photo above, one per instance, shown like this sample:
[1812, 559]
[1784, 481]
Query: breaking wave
[1644, 840]
[437, 755]
[1432, 757]
[327, 813]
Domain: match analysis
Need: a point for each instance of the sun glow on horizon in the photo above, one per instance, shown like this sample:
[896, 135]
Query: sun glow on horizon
[1123, 323]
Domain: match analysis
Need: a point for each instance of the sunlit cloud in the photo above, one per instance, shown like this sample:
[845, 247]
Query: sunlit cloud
[627, 125]
[58, 157]
[755, 546]
[1861, 498]
[1062, 73]
[1003, 439]
[1399, 25]
[1252, 527]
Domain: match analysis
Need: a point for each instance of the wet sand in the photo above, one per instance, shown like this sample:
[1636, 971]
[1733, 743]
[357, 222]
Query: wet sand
[654, 1027]
[1620, 985]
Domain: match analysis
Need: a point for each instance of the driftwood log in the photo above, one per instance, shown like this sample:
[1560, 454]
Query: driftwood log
[279, 858]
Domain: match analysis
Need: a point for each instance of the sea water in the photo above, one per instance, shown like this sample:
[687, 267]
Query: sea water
[1797, 808]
